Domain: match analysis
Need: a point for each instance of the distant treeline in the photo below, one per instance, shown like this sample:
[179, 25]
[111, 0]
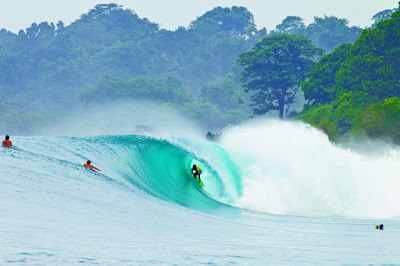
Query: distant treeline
[112, 54]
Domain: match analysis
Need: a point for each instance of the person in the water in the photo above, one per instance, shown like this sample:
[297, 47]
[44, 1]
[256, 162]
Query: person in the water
[196, 171]
[88, 165]
[7, 142]
[380, 227]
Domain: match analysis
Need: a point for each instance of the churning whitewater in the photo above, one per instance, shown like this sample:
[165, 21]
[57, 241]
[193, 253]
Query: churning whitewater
[289, 168]
[275, 192]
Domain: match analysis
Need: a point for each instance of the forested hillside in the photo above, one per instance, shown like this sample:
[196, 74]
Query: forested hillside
[110, 53]
[355, 90]
[49, 61]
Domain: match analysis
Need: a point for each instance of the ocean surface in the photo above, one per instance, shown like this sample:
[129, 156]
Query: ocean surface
[275, 193]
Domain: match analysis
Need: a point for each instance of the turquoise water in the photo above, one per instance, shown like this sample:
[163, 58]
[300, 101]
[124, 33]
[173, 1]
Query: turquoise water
[274, 194]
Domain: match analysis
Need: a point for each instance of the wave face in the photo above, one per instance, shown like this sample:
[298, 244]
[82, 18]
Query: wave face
[162, 168]
[147, 209]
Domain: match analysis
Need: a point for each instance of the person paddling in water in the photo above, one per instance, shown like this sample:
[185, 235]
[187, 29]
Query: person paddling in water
[88, 165]
[196, 171]
[7, 142]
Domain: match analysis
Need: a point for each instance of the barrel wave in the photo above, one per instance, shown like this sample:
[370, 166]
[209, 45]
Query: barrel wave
[156, 166]
[275, 193]
[162, 167]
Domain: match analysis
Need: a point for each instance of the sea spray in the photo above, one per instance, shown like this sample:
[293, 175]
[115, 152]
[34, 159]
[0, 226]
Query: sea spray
[292, 168]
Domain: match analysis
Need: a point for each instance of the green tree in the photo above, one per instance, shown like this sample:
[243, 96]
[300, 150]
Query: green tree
[236, 21]
[337, 118]
[168, 90]
[330, 32]
[366, 86]
[320, 86]
[383, 15]
[321, 117]
[228, 96]
[273, 68]
[325, 32]
[226, 93]
[35, 37]
[46, 62]
[7, 40]
[291, 25]
[380, 120]
[373, 64]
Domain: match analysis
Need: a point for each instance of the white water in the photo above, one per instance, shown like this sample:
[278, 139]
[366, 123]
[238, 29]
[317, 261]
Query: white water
[292, 168]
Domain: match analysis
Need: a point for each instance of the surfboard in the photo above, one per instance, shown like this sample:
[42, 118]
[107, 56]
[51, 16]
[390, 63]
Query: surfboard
[200, 184]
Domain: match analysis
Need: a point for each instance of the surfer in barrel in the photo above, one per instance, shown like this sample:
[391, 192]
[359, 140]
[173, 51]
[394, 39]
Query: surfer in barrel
[196, 172]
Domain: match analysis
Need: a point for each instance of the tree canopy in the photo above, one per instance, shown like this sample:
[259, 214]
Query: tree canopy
[373, 64]
[382, 15]
[166, 90]
[273, 68]
[325, 32]
[111, 53]
[320, 86]
[355, 90]
[236, 21]
[45, 59]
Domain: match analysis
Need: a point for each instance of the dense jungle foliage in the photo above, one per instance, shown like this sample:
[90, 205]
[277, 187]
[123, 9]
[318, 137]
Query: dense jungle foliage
[111, 54]
[354, 91]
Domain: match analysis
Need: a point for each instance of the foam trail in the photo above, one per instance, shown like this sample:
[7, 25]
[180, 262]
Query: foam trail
[292, 168]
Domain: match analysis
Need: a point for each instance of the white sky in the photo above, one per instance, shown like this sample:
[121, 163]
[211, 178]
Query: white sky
[169, 14]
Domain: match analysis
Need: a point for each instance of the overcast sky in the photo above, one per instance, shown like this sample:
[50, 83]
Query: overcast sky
[169, 14]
